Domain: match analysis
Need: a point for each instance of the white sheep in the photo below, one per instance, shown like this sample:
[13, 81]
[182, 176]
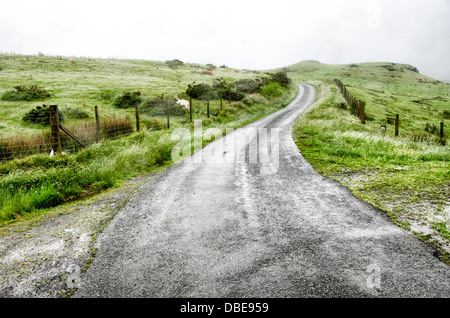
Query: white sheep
[182, 102]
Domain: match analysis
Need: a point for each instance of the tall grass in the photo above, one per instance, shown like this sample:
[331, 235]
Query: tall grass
[85, 131]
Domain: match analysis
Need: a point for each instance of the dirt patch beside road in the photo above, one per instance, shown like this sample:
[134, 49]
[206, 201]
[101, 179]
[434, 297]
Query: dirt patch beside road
[44, 256]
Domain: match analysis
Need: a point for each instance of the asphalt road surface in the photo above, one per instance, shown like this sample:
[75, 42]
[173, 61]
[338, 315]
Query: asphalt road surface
[249, 217]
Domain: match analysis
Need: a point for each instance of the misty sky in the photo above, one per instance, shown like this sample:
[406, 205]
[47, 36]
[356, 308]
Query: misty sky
[243, 34]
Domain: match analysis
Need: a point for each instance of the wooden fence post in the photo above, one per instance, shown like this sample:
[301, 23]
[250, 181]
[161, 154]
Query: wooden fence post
[190, 109]
[362, 112]
[396, 124]
[221, 102]
[54, 124]
[441, 132]
[207, 107]
[168, 114]
[138, 124]
[97, 125]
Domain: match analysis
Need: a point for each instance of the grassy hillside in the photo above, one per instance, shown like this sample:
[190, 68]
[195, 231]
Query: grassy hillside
[86, 82]
[407, 176]
[35, 183]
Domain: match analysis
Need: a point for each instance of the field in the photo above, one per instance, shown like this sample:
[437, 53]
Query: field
[408, 176]
[85, 83]
[32, 184]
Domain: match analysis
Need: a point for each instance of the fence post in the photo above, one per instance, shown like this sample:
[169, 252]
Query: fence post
[190, 109]
[168, 114]
[362, 112]
[54, 124]
[221, 102]
[138, 124]
[207, 107]
[97, 125]
[396, 124]
[229, 96]
[441, 132]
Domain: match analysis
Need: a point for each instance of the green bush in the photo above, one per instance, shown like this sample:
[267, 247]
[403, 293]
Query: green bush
[158, 107]
[128, 99]
[201, 91]
[40, 115]
[174, 63]
[77, 113]
[280, 78]
[250, 86]
[25, 93]
[272, 90]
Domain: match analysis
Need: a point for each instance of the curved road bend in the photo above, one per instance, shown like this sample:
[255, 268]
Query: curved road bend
[257, 226]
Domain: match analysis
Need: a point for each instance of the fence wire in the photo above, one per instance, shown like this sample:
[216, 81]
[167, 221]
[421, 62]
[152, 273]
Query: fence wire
[19, 146]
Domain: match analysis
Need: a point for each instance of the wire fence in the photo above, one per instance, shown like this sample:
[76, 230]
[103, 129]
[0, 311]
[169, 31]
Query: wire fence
[69, 139]
[358, 109]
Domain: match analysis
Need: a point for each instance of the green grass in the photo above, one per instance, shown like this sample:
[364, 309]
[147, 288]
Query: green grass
[95, 82]
[405, 176]
[31, 185]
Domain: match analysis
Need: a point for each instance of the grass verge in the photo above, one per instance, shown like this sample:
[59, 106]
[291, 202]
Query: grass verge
[407, 179]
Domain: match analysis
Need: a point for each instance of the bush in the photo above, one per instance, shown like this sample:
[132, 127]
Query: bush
[40, 115]
[158, 107]
[446, 114]
[128, 99]
[250, 86]
[272, 90]
[174, 63]
[201, 91]
[25, 93]
[280, 78]
[76, 113]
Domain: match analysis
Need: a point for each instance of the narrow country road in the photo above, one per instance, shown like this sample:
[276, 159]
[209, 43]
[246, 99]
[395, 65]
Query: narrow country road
[257, 221]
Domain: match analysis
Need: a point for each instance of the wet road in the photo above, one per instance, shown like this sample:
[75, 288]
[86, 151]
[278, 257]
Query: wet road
[249, 217]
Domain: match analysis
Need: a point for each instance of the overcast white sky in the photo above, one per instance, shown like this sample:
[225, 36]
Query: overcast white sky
[249, 34]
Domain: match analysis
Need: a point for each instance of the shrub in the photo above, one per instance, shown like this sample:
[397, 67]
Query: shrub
[446, 114]
[76, 113]
[280, 78]
[174, 63]
[272, 90]
[201, 91]
[250, 86]
[128, 99]
[25, 93]
[158, 107]
[40, 115]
